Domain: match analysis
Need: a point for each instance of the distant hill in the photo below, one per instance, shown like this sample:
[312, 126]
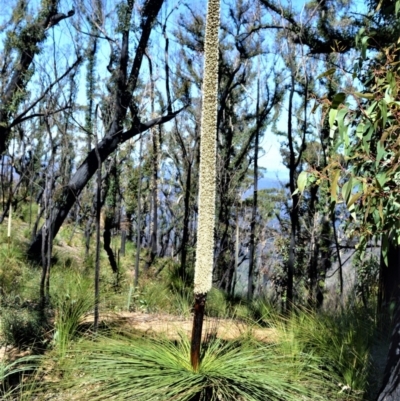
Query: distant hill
[270, 180]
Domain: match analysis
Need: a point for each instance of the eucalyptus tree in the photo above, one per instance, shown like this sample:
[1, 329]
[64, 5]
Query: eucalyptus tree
[26, 25]
[305, 43]
[121, 108]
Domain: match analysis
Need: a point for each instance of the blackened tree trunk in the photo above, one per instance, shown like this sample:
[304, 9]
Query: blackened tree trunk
[390, 390]
[155, 137]
[107, 244]
[97, 262]
[139, 221]
[153, 246]
[389, 295]
[295, 200]
[389, 280]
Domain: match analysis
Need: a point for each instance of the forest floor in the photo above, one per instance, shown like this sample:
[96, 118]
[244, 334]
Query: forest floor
[174, 326]
[163, 324]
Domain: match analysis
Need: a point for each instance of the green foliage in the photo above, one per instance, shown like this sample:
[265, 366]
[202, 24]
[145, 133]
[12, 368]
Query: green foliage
[22, 367]
[159, 369]
[11, 268]
[364, 134]
[25, 211]
[217, 304]
[72, 297]
[22, 327]
[367, 277]
[342, 342]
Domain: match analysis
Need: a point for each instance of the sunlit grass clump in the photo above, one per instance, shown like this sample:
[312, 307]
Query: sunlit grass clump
[72, 298]
[147, 369]
[342, 342]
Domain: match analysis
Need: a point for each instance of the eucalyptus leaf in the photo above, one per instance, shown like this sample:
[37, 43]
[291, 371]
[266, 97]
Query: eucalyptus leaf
[302, 181]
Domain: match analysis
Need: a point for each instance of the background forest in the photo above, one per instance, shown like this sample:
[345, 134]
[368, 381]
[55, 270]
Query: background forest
[101, 114]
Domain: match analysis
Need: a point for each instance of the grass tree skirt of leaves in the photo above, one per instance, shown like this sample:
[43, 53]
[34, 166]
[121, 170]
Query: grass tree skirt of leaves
[207, 178]
[146, 369]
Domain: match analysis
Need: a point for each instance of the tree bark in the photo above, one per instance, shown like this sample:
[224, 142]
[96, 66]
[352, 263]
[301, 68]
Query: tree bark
[107, 244]
[198, 318]
[390, 390]
[295, 200]
[389, 285]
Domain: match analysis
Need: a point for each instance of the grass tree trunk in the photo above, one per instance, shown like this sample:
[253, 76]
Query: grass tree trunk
[206, 219]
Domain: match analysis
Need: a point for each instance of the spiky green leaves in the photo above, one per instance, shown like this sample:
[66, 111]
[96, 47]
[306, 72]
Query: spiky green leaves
[206, 220]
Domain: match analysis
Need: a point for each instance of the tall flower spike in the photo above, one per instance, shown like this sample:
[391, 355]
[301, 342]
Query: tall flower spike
[206, 219]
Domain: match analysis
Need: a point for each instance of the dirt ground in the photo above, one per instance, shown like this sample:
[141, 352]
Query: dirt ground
[173, 326]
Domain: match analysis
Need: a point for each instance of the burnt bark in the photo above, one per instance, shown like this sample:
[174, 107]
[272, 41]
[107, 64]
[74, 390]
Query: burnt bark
[294, 212]
[389, 285]
[390, 390]
[198, 318]
[107, 244]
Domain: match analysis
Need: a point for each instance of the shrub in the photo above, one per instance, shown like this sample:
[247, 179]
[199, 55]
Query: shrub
[11, 268]
[72, 297]
[217, 305]
[342, 342]
[22, 328]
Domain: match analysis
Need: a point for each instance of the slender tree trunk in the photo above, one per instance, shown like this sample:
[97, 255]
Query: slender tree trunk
[237, 250]
[313, 248]
[139, 219]
[123, 242]
[97, 261]
[107, 244]
[88, 230]
[153, 246]
[185, 231]
[253, 245]
[295, 200]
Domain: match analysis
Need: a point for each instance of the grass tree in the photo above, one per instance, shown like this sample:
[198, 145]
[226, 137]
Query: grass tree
[206, 219]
